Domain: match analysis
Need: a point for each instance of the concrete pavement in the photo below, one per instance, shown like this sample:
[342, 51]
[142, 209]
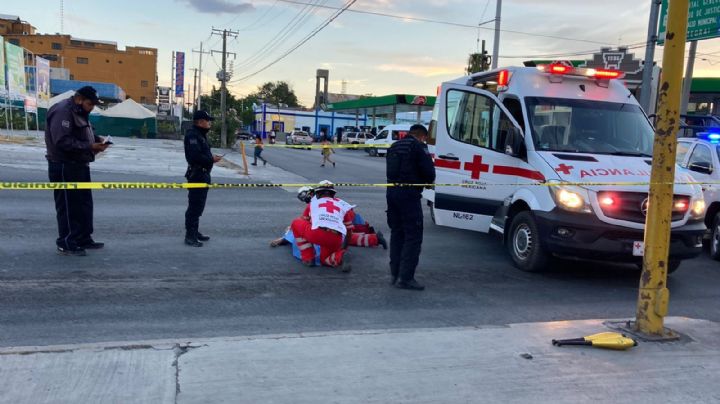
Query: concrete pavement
[508, 364]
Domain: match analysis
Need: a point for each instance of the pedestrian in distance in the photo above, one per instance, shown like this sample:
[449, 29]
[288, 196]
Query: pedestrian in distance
[326, 150]
[259, 146]
[408, 162]
[200, 163]
[71, 147]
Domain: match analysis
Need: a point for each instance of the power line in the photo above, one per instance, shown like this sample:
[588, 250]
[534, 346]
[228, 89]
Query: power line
[302, 42]
[451, 23]
[566, 54]
[276, 41]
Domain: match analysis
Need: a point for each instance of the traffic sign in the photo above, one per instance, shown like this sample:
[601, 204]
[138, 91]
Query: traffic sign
[703, 20]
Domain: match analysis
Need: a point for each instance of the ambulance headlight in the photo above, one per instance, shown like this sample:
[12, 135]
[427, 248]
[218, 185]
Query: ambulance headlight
[697, 211]
[571, 198]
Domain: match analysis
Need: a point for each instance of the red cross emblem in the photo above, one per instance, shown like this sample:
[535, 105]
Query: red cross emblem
[330, 207]
[638, 245]
[476, 167]
[565, 169]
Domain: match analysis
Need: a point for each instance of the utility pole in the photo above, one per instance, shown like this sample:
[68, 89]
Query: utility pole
[200, 65]
[496, 42]
[223, 76]
[646, 87]
[195, 97]
[687, 84]
[653, 294]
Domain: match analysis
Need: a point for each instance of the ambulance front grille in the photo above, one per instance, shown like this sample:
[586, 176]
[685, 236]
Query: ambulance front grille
[632, 206]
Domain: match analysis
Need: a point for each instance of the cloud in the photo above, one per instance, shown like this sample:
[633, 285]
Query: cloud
[218, 6]
[422, 70]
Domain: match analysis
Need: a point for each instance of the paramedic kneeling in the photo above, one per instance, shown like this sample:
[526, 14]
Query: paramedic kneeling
[408, 162]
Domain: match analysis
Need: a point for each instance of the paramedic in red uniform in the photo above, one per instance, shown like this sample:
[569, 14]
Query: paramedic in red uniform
[331, 220]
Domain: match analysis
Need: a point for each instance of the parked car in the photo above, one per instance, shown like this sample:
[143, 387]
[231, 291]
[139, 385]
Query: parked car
[387, 136]
[701, 155]
[356, 137]
[243, 135]
[299, 137]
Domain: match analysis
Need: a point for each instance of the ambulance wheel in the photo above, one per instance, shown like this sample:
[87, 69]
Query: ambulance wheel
[673, 266]
[373, 152]
[524, 244]
[715, 239]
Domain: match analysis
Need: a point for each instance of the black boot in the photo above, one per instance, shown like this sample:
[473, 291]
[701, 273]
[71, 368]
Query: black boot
[191, 239]
[202, 237]
[412, 284]
[381, 240]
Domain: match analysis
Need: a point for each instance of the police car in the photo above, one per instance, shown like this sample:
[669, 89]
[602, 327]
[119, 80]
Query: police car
[550, 158]
[701, 155]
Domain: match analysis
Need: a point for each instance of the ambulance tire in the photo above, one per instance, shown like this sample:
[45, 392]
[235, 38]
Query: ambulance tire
[715, 239]
[372, 152]
[524, 245]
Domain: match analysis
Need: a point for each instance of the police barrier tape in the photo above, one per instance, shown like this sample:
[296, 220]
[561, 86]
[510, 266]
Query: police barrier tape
[4, 186]
[330, 146]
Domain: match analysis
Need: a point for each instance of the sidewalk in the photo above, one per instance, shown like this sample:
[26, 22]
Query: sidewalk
[387, 366]
[155, 157]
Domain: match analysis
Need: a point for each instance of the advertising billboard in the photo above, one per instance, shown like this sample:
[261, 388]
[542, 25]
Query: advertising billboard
[15, 70]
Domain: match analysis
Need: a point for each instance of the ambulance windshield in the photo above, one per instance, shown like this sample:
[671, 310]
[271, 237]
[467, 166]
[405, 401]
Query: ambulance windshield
[582, 126]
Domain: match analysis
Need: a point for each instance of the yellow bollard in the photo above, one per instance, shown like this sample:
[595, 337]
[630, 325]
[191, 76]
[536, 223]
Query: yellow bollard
[653, 295]
[242, 153]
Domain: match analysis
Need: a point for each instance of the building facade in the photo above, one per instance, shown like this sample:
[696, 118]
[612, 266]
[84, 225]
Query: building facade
[133, 69]
[269, 118]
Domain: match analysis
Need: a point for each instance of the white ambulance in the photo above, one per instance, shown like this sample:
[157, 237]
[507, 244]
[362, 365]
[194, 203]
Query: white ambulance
[544, 156]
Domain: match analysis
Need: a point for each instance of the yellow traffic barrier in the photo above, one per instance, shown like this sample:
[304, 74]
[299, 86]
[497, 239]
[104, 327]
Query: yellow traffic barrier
[592, 337]
[618, 342]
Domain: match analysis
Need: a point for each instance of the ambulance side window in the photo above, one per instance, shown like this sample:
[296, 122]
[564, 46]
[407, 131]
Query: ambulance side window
[469, 117]
[505, 125]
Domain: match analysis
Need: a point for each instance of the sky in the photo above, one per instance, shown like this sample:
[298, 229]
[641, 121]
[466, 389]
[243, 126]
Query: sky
[373, 54]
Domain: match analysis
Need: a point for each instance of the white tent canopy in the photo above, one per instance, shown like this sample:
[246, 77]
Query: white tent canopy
[61, 97]
[128, 109]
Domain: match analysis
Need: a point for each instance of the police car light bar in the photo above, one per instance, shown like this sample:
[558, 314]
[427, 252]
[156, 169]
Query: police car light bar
[564, 70]
[712, 137]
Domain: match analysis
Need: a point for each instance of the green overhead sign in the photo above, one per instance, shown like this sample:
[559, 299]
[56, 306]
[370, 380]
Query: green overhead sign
[703, 20]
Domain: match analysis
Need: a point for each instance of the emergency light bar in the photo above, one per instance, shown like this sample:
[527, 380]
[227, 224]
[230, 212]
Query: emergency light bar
[564, 70]
[712, 137]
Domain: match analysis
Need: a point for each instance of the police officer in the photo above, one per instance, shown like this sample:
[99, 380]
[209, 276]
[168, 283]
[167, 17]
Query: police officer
[200, 163]
[408, 162]
[71, 147]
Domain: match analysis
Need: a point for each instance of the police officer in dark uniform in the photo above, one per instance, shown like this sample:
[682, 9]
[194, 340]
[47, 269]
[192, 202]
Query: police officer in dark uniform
[71, 147]
[200, 163]
[408, 162]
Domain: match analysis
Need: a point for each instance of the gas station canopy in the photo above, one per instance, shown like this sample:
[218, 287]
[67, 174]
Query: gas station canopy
[389, 105]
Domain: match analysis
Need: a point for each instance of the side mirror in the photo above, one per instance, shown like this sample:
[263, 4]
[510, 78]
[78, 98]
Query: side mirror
[515, 143]
[701, 167]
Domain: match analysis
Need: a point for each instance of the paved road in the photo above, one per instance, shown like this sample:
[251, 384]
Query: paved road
[146, 284]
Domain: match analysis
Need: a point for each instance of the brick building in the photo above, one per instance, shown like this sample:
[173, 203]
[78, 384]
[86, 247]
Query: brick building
[133, 69]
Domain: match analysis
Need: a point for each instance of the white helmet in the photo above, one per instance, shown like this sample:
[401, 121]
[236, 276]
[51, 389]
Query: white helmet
[325, 186]
[305, 194]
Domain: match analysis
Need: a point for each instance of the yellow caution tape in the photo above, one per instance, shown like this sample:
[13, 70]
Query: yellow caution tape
[192, 185]
[330, 146]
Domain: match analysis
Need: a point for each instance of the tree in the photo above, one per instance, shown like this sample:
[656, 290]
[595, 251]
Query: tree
[278, 92]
